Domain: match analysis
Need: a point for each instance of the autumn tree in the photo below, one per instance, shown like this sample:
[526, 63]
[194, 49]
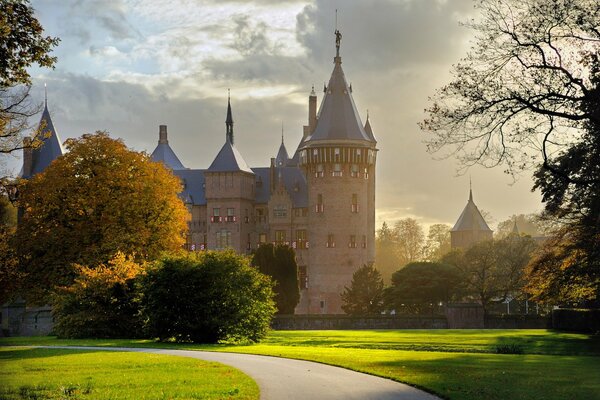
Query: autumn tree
[438, 242]
[98, 199]
[420, 286]
[101, 302]
[22, 45]
[279, 262]
[527, 95]
[364, 296]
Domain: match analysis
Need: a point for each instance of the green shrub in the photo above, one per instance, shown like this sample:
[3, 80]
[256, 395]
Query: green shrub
[100, 303]
[206, 297]
[576, 320]
[509, 348]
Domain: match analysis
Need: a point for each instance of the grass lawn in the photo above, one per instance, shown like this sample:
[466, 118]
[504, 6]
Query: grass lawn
[454, 364]
[27, 373]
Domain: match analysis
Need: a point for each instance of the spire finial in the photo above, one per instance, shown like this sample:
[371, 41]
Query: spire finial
[367, 113]
[45, 95]
[470, 190]
[338, 38]
[229, 120]
[281, 132]
[312, 91]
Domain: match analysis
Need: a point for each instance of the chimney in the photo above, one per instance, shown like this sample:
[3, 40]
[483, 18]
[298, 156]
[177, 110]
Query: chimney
[272, 175]
[312, 111]
[162, 134]
[27, 157]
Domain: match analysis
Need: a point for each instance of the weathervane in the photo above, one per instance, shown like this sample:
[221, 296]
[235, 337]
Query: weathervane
[338, 36]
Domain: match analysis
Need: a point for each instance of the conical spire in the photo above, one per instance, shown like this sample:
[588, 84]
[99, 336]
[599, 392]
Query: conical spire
[470, 190]
[368, 128]
[229, 120]
[515, 228]
[50, 147]
[471, 218]
[338, 118]
[283, 157]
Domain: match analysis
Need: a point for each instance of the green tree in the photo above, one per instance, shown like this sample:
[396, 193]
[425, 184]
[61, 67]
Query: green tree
[279, 262]
[527, 96]
[365, 294]
[98, 199]
[10, 274]
[420, 286]
[21, 46]
[101, 302]
[206, 297]
[493, 271]
[410, 240]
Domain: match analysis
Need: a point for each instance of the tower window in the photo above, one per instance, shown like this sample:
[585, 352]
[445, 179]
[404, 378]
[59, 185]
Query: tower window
[280, 237]
[231, 215]
[301, 242]
[364, 241]
[223, 239]
[320, 171]
[319, 206]
[354, 203]
[354, 171]
[216, 217]
[337, 170]
[330, 241]
[303, 277]
[352, 242]
[280, 211]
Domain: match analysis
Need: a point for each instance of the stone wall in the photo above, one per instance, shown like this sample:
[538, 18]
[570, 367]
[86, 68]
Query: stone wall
[18, 320]
[326, 322]
[517, 322]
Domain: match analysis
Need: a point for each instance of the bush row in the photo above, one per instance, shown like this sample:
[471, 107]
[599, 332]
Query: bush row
[203, 297]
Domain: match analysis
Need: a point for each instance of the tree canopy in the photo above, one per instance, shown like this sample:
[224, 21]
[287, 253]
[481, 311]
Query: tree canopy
[98, 199]
[364, 296]
[279, 262]
[420, 286]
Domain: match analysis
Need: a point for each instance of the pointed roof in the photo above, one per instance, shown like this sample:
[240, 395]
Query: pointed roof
[229, 120]
[163, 152]
[338, 118]
[368, 128]
[471, 219]
[50, 148]
[229, 159]
[515, 228]
[283, 157]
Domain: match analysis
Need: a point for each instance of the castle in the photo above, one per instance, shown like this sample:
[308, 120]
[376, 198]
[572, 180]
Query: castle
[320, 201]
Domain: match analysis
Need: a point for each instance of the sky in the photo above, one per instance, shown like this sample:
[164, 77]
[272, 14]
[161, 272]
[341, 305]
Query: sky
[128, 66]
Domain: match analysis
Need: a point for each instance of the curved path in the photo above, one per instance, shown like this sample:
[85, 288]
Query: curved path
[283, 378]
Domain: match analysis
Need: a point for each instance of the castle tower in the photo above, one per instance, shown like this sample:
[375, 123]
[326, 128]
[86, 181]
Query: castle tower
[35, 160]
[163, 152]
[338, 159]
[229, 191]
[470, 227]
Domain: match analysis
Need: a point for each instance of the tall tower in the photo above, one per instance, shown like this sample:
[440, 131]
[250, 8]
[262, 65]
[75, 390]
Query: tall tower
[338, 158]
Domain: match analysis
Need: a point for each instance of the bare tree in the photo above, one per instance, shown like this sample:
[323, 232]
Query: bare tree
[522, 94]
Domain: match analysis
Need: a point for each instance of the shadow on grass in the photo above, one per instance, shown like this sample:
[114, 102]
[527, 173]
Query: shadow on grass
[32, 353]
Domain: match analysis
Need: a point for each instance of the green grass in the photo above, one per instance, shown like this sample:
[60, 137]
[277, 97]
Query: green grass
[27, 373]
[455, 364]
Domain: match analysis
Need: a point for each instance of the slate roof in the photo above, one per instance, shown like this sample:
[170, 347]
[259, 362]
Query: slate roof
[338, 118]
[193, 185]
[167, 156]
[50, 148]
[470, 219]
[293, 179]
[229, 159]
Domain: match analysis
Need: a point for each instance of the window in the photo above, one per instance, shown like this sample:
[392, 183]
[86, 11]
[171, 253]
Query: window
[249, 245]
[366, 173]
[320, 171]
[280, 211]
[354, 203]
[231, 215]
[262, 218]
[262, 238]
[216, 215]
[301, 212]
[336, 153]
[223, 239]
[364, 241]
[337, 170]
[319, 206]
[280, 237]
[330, 241]
[302, 277]
[301, 242]
[352, 242]
[354, 171]
[246, 217]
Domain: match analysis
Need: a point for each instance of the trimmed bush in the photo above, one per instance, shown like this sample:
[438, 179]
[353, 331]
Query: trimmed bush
[576, 320]
[100, 303]
[206, 297]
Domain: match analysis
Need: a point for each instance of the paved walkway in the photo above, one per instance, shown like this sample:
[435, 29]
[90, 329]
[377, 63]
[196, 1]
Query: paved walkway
[282, 378]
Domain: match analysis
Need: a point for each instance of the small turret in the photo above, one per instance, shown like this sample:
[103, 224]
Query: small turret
[229, 121]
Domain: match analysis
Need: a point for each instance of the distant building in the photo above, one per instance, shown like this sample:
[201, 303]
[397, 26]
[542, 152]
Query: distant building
[470, 228]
